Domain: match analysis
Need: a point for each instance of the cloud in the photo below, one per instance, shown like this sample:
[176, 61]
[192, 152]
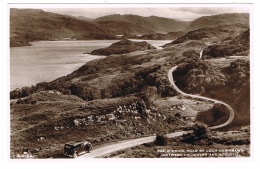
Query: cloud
[213, 10]
[180, 13]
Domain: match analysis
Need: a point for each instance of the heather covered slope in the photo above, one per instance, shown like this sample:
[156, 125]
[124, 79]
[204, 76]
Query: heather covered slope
[134, 24]
[33, 24]
[217, 20]
[214, 116]
[128, 96]
[122, 47]
[28, 25]
[217, 79]
[238, 46]
[145, 73]
[213, 34]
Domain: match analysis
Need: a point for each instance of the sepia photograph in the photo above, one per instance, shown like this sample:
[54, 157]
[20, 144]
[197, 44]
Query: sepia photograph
[130, 81]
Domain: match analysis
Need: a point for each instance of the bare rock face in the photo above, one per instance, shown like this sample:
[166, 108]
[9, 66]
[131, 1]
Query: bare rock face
[124, 46]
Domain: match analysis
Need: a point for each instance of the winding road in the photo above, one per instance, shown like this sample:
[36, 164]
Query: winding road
[232, 113]
[102, 151]
[107, 149]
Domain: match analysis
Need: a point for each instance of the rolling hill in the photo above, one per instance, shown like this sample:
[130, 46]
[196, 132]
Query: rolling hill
[33, 24]
[239, 45]
[28, 25]
[122, 47]
[92, 102]
[212, 34]
[217, 20]
[126, 95]
[133, 24]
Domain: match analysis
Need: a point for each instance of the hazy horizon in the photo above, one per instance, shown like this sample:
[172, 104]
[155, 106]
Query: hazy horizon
[177, 12]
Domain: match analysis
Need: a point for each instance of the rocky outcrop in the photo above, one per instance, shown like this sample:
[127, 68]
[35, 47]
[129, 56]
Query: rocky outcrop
[124, 46]
[211, 34]
[239, 45]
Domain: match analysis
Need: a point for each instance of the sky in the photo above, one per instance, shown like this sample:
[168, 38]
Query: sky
[179, 13]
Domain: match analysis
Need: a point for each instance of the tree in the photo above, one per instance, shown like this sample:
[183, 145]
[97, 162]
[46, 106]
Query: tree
[200, 135]
[150, 94]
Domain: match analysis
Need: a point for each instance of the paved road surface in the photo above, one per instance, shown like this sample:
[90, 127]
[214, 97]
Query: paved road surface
[125, 144]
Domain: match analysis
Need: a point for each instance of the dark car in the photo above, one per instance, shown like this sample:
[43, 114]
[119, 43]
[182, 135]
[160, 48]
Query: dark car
[73, 149]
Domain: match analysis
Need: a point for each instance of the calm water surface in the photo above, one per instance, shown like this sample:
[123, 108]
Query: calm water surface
[47, 60]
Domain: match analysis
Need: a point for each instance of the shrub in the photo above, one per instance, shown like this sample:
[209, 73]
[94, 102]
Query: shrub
[189, 138]
[200, 130]
[161, 140]
[150, 94]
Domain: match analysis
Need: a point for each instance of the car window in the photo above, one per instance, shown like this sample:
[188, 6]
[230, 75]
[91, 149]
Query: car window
[69, 146]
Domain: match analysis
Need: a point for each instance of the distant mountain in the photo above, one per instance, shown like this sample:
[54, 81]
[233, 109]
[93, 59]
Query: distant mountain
[167, 36]
[79, 17]
[28, 25]
[156, 36]
[212, 34]
[84, 18]
[217, 20]
[33, 24]
[133, 24]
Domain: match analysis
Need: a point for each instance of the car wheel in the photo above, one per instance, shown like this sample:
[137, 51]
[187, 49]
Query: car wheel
[75, 155]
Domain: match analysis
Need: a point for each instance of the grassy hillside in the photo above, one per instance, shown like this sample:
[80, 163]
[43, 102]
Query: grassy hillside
[128, 96]
[212, 35]
[32, 24]
[225, 79]
[214, 116]
[240, 45]
[122, 47]
[28, 25]
[217, 20]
